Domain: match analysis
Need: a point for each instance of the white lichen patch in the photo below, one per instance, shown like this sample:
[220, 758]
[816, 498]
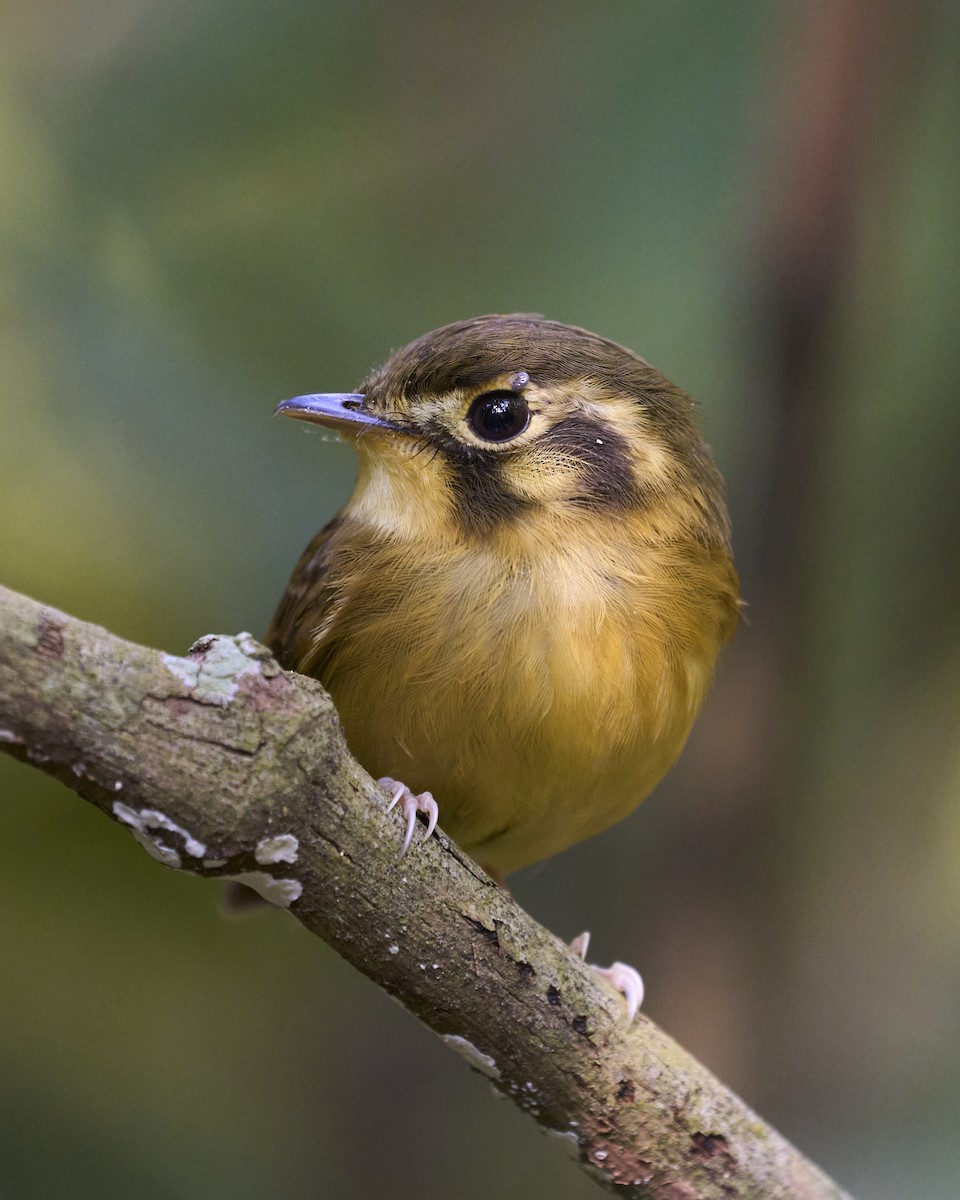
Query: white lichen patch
[249, 645]
[476, 1058]
[281, 892]
[153, 846]
[221, 662]
[185, 670]
[126, 815]
[282, 848]
[10, 738]
[225, 663]
[142, 824]
[154, 819]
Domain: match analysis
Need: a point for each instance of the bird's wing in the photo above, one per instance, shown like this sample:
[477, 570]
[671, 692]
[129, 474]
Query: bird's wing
[308, 607]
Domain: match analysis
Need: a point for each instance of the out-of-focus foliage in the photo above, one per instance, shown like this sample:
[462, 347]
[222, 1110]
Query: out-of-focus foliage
[206, 207]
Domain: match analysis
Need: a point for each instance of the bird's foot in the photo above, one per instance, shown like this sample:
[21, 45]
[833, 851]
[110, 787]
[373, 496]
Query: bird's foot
[410, 805]
[625, 979]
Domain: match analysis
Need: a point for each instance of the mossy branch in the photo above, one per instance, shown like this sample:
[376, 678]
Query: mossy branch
[221, 764]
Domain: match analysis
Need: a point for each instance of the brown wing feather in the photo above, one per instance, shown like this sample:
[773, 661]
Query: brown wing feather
[309, 597]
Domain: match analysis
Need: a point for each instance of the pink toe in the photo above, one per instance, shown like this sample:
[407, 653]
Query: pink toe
[410, 805]
[393, 789]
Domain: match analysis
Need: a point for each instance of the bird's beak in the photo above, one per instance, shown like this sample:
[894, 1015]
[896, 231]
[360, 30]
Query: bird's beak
[337, 410]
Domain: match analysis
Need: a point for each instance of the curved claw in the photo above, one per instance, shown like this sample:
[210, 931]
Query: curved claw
[410, 805]
[395, 789]
[428, 805]
[624, 978]
[411, 814]
[580, 944]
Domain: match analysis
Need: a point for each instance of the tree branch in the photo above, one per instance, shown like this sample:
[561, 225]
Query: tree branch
[223, 765]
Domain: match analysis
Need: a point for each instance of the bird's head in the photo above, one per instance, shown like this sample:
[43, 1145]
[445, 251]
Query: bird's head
[491, 421]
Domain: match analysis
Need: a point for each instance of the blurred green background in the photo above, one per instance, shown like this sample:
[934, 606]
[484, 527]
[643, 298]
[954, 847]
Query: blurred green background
[206, 207]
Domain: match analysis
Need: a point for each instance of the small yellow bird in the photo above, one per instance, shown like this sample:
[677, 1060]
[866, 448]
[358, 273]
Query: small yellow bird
[521, 605]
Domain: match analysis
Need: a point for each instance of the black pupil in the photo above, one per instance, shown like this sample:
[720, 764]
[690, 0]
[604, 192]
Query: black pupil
[497, 416]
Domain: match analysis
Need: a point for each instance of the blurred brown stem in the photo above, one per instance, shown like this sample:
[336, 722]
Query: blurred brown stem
[223, 765]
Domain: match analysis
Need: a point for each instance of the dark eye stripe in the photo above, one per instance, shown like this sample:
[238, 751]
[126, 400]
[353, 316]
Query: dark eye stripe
[606, 473]
[482, 496]
[479, 479]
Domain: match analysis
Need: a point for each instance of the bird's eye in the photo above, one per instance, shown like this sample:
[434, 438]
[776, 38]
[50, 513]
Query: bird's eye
[498, 416]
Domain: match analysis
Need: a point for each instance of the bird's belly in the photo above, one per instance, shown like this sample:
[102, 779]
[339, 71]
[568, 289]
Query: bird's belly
[534, 726]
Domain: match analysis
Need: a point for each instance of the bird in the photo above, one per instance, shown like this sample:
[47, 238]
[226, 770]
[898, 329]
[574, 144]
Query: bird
[519, 610]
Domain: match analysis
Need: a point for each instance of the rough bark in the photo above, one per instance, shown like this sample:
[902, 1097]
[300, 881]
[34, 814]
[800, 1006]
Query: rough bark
[221, 764]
